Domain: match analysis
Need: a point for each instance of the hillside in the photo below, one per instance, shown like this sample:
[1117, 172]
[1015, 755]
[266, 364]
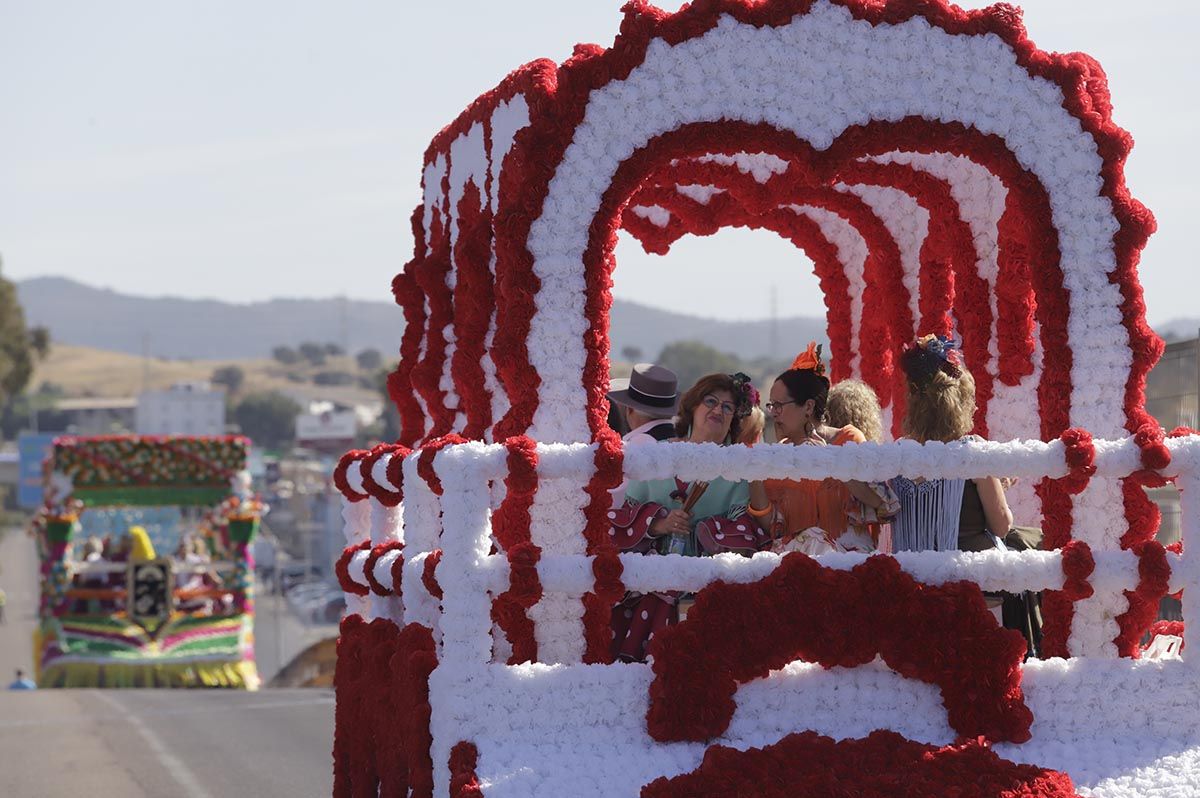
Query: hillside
[85, 371]
[1179, 329]
[168, 327]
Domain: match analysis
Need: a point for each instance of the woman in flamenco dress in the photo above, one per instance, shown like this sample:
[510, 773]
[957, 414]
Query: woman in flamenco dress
[816, 516]
[673, 517]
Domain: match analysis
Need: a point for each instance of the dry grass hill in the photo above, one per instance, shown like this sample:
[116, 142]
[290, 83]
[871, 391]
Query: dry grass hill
[83, 371]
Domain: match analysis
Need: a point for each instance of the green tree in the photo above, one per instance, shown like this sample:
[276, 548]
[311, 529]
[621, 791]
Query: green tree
[391, 416]
[39, 340]
[34, 410]
[285, 355]
[333, 378]
[232, 377]
[632, 353]
[369, 359]
[333, 350]
[16, 355]
[313, 353]
[691, 360]
[268, 419]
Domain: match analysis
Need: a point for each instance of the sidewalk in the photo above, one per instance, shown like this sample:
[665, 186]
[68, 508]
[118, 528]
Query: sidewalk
[19, 580]
[279, 635]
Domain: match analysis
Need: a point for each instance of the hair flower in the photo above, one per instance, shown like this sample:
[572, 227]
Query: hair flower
[748, 397]
[810, 359]
[930, 354]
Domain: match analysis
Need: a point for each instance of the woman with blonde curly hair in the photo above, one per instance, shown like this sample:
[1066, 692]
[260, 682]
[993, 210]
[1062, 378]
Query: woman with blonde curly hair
[752, 427]
[852, 402]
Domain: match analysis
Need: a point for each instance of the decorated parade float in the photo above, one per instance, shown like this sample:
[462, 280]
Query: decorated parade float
[942, 174]
[146, 575]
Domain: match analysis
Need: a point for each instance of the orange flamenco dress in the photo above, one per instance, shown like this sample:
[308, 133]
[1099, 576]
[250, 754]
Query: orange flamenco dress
[814, 515]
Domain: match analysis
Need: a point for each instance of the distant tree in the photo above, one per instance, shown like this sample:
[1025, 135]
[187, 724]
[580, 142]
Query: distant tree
[333, 350]
[34, 410]
[691, 360]
[268, 419]
[285, 355]
[391, 416]
[333, 378]
[39, 340]
[16, 354]
[313, 353]
[369, 359]
[232, 377]
[632, 353]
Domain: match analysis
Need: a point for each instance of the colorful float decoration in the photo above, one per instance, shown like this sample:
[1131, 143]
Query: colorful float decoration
[117, 614]
[942, 174]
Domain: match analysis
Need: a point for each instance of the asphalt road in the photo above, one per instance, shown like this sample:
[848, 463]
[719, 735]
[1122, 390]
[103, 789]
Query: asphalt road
[156, 743]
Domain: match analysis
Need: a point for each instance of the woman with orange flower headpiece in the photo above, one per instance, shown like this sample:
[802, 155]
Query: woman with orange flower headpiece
[810, 515]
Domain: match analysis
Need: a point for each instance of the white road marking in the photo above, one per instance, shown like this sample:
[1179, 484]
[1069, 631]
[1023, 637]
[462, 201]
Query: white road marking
[73, 719]
[191, 787]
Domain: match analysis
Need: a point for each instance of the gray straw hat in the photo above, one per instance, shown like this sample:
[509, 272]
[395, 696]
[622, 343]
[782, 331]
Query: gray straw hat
[650, 389]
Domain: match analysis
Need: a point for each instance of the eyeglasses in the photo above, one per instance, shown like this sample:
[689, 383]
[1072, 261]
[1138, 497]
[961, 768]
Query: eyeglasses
[775, 408]
[727, 408]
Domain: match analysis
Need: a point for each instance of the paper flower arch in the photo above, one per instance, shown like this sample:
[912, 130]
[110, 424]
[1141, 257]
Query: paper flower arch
[941, 173]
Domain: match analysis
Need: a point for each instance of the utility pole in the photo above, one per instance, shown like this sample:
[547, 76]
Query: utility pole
[773, 329]
[145, 361]
[344, 324]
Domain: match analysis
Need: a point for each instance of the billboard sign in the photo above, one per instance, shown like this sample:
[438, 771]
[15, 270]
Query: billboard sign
[32, 449]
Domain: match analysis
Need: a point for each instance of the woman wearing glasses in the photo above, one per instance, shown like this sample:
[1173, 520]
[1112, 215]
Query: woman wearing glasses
[815, 516]
[670, 516]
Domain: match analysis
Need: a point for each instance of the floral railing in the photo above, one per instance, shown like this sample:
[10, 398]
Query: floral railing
[473, 474]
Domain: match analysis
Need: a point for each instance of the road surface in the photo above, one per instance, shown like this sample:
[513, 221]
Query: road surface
[156, 743]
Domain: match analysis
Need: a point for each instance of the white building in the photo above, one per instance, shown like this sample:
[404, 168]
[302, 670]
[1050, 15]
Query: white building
[326, 428]
[186, 408]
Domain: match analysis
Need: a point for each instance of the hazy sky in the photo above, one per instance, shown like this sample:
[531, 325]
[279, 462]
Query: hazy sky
[247, 150]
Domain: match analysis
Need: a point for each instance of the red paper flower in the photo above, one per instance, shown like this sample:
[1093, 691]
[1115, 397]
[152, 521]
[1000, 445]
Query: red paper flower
[429, 574]
[1154, 574]
[735, 633]
[881, 765]
[377, 552]
[342, 569]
